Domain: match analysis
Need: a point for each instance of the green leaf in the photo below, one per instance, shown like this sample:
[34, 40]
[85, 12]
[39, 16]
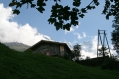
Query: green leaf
[75, 9]
[33, 5]
[83, 10]
[111, 0]
[67, 26]
[43, 4]
[89, 7]
[67, 8]
[81, 15]
[107, 16]
[16, 11]
[57, 25]
[18, 5]
[77, 3]
[52, 20]
[12, 4]
[93, 7]
[40, 9]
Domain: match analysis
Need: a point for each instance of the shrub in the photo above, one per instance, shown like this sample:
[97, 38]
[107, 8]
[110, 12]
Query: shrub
[110, 64]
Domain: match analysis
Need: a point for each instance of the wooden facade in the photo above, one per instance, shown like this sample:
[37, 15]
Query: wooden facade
[50, 48]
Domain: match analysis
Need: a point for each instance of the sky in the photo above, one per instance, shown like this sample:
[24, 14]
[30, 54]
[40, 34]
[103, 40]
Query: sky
[30, 26]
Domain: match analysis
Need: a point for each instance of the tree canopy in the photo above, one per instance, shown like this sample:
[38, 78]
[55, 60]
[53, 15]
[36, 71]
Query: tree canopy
[76, 51]
[115, 35]
[103, 51]
[63, 17]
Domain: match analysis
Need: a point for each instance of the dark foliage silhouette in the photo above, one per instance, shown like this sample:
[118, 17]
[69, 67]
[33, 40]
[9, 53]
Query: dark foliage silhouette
[63, 17]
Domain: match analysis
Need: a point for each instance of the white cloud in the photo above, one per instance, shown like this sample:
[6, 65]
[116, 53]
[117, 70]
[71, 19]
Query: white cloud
[78, 35]
[90, 48]
[89, 54]
[84, 34]
[77, 26]
[94, 44]
[11, 31]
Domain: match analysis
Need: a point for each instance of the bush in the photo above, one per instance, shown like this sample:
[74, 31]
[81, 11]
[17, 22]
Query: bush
[92, 62]
[67, 57]
[111, 64]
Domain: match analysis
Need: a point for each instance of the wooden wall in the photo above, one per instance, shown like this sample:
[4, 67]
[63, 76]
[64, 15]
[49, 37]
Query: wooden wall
[53, 49]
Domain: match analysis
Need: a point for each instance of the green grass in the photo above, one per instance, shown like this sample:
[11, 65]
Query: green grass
[18, 65]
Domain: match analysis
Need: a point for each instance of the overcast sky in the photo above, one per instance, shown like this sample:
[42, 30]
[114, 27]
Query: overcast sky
[30, 26]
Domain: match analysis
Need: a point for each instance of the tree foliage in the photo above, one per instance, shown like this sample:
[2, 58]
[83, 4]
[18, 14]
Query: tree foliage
[115, 35]
[63, 17]
[76, 51]
[103, 51]
[60, 14]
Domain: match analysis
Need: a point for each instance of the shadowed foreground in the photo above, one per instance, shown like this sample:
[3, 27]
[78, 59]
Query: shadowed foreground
[18, 65]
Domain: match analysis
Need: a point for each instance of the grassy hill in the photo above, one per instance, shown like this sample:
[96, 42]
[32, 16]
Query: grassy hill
[19, 65]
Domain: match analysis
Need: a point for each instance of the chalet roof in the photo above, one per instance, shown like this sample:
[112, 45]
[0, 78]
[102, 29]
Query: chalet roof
[52, 42]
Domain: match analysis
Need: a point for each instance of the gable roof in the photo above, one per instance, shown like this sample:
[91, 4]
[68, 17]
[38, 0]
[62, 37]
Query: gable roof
[45, 41]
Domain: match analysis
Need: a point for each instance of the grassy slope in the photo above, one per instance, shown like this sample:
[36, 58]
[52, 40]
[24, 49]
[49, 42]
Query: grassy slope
[17, 65]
